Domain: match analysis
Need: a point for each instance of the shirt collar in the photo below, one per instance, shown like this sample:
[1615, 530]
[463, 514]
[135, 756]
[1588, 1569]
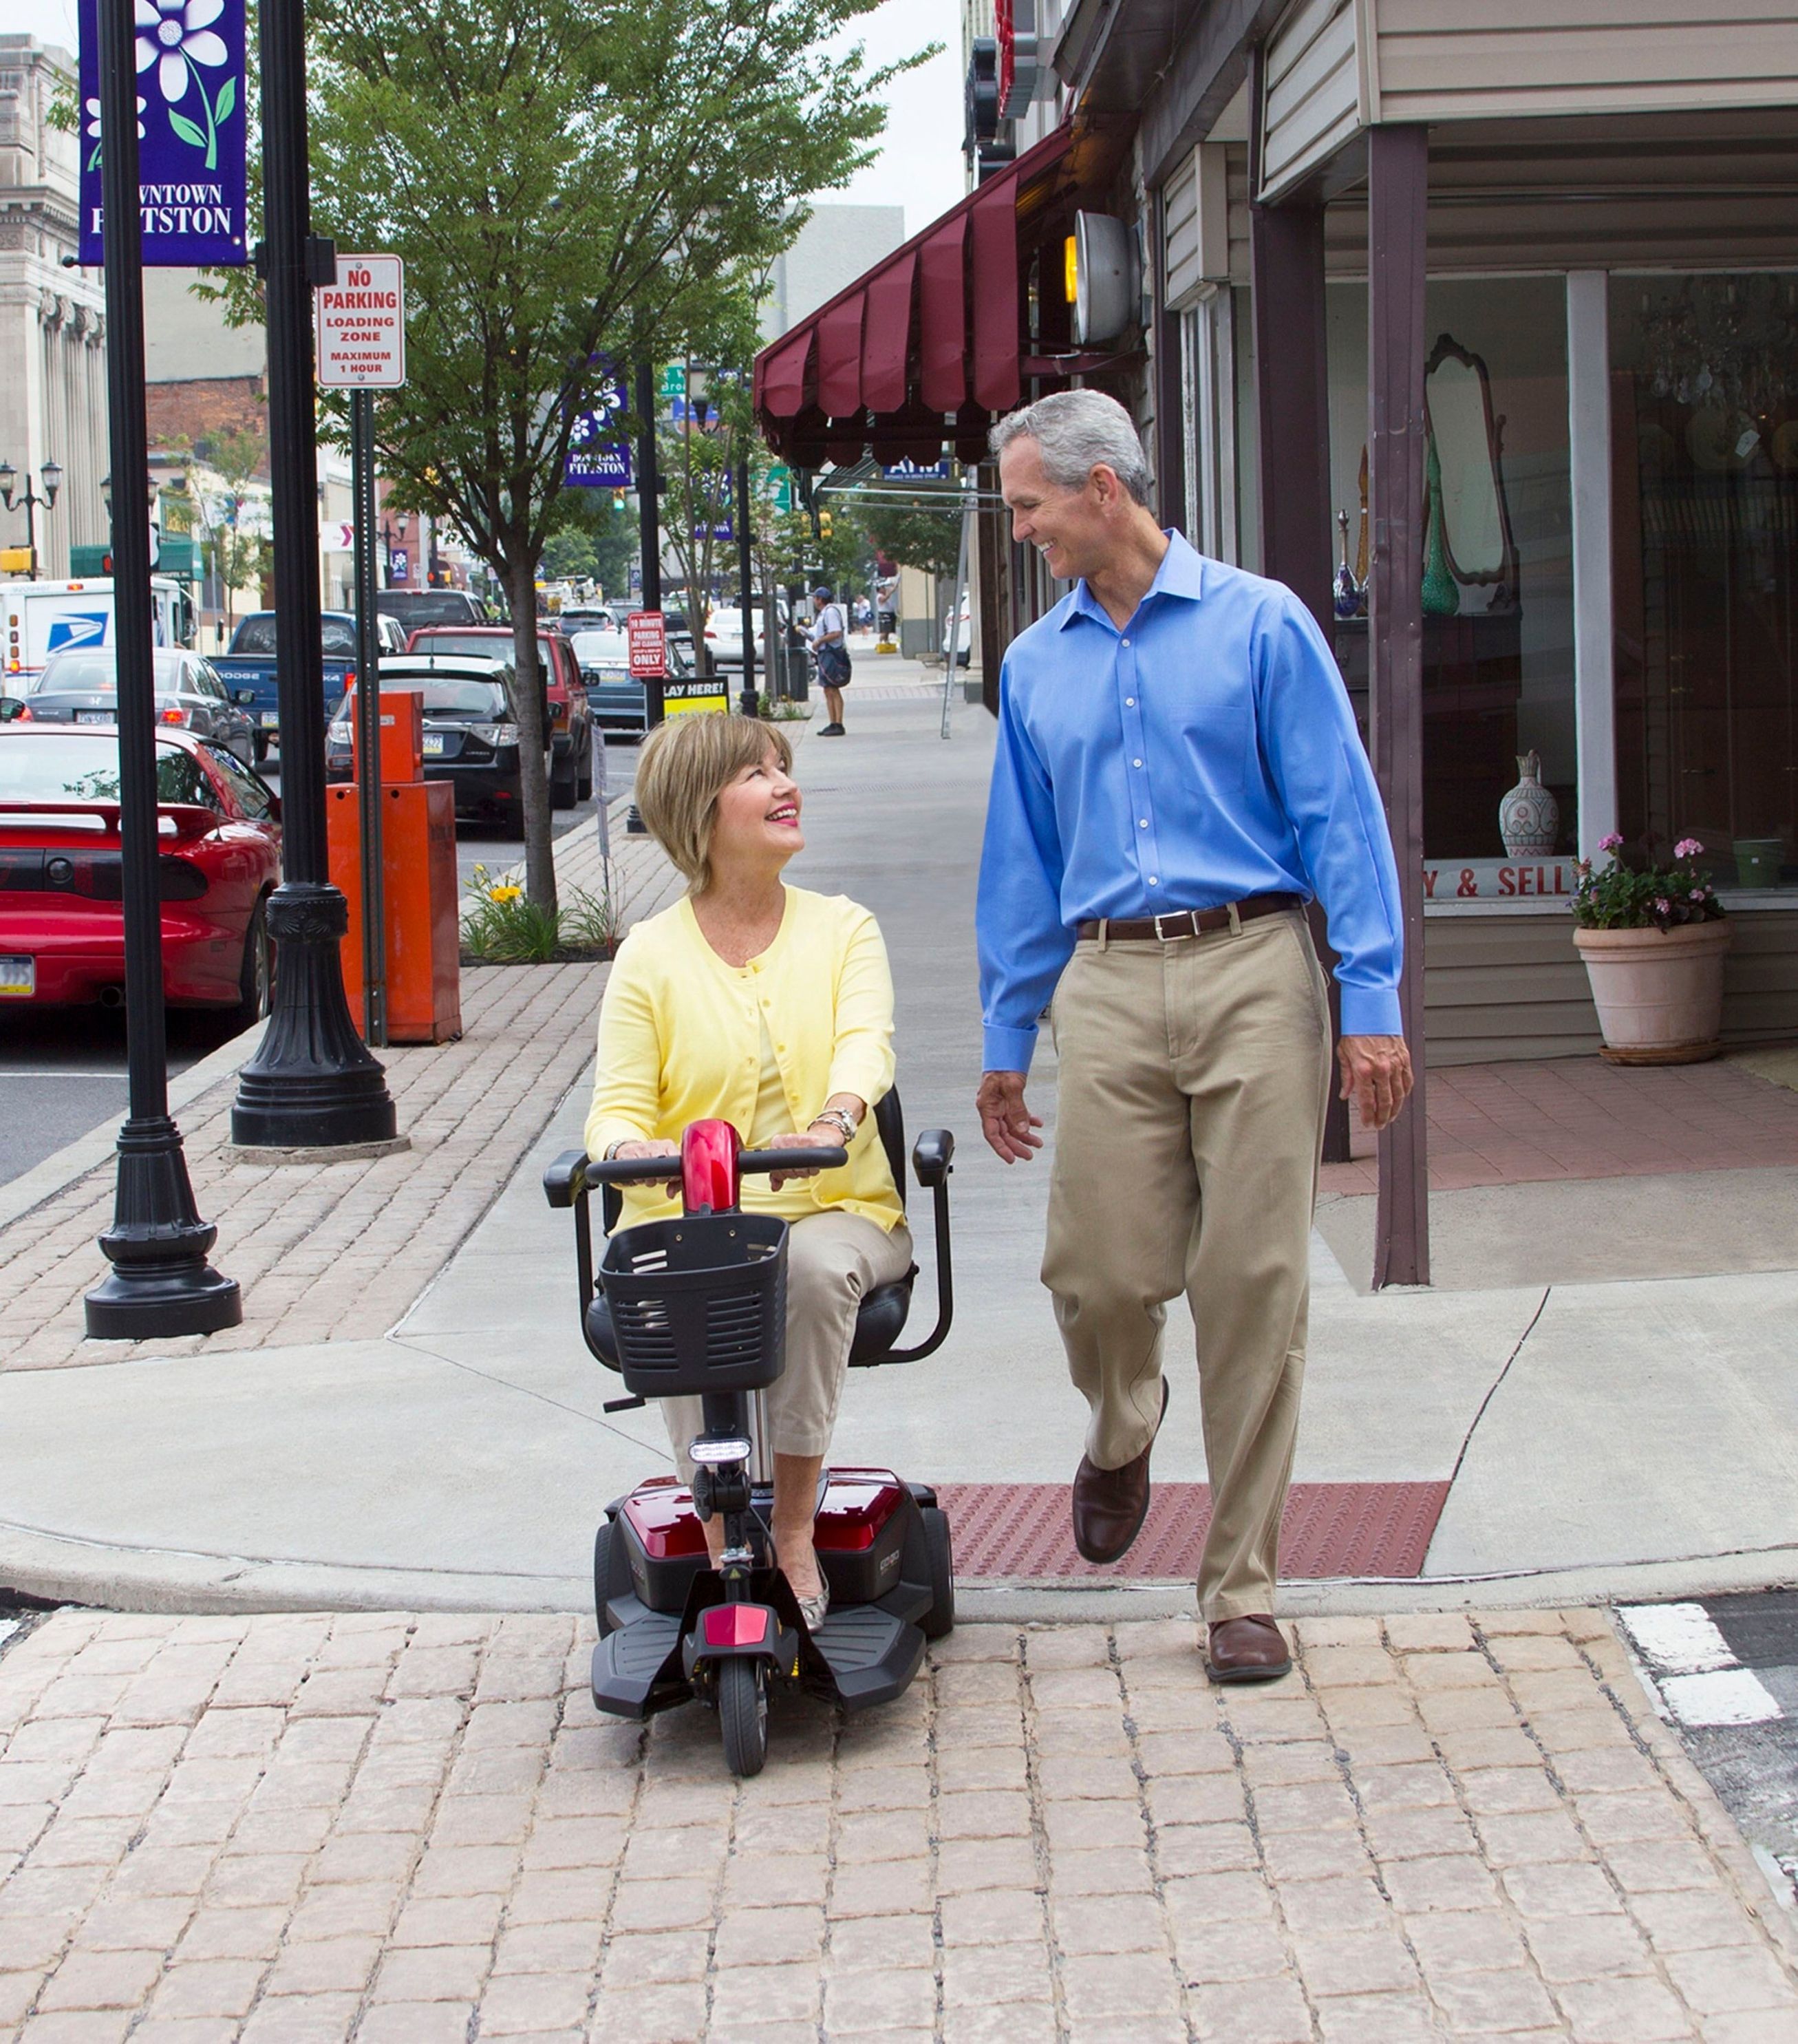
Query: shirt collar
[1181, 573]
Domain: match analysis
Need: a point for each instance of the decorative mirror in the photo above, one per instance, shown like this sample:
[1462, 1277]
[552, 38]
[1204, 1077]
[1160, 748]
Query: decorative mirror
[1476, 520]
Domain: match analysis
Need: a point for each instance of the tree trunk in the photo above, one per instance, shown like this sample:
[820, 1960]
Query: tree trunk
[533, 731]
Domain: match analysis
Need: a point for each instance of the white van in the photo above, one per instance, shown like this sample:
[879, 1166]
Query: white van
[40, 618]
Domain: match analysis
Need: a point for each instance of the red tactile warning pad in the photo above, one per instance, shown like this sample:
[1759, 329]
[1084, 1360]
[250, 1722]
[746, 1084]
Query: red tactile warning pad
[1021, 1529]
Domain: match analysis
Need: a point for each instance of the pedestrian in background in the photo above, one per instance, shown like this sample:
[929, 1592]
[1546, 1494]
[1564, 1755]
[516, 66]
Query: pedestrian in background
[830, 649]
[1178, 772]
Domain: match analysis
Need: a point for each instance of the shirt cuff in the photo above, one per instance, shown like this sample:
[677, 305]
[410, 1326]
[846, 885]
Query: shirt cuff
[1371, 1011]
[1008, 1050]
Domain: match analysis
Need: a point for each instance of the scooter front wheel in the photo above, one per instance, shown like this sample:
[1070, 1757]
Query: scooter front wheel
[743, 1714]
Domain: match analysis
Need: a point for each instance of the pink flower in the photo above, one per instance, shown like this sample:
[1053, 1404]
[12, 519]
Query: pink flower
[1688, 847]
[1700, 893]
[1612, 841]
[1663, 906]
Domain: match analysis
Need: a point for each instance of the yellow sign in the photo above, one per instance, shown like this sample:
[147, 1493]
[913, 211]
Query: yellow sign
[15, 560]
[1070, 268]
[709, 698]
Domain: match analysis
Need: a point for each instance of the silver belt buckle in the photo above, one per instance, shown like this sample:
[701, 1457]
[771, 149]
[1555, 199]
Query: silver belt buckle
[1172, 915]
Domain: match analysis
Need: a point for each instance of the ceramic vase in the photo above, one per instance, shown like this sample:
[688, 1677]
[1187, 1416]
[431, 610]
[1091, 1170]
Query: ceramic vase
[1529, 818]
[1659, 994]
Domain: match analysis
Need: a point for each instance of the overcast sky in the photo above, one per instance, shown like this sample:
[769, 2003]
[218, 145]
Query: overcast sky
[920, 166]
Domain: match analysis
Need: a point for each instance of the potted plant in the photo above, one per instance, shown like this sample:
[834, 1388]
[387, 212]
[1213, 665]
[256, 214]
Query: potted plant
[1652, 938]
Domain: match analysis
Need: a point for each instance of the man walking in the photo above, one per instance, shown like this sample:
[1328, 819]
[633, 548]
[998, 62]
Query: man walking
[831, 651]
[1177, 771]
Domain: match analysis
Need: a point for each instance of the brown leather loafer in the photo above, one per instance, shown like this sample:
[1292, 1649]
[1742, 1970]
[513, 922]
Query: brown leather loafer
[1246, 1649]
[1110, 1505]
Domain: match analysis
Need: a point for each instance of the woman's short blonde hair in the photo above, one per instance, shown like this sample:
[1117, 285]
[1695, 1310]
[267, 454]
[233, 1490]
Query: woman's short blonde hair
[686, 764]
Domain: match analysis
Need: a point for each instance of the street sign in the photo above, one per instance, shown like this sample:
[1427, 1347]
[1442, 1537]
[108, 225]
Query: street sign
[709, 696]
[647, 631]
[399, 568]
[779, 487]
[361, 325]
[336, 536]
[911, 472]
[673, 381]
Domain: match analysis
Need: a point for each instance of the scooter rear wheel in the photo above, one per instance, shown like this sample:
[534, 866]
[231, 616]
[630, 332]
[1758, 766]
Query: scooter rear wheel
[937, 1545]
[743, 1714]
[602, 1573]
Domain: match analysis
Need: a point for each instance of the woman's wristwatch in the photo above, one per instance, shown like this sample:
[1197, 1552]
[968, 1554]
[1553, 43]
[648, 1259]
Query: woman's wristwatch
[840, 1118]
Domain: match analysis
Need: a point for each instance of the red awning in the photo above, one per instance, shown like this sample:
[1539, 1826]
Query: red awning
[932, 343]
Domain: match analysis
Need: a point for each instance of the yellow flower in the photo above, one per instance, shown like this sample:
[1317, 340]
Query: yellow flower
[504, 893]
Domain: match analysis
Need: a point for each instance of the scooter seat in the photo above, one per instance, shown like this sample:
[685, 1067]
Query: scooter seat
[880, 1321]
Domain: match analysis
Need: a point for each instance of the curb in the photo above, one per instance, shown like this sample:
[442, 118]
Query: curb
[43, 1181]
[66, 1569]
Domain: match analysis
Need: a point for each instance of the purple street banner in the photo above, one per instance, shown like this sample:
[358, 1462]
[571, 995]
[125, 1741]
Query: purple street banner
[593, 462]
[189, 60]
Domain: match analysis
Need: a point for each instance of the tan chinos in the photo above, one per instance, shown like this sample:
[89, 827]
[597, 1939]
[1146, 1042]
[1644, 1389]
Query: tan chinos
[1193, 1078]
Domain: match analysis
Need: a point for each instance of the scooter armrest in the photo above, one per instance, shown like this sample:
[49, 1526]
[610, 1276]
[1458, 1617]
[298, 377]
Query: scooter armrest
[933, 1156]
[565, 1181]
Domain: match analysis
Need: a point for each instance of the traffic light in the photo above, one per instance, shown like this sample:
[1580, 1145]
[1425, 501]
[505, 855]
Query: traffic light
[823, 524]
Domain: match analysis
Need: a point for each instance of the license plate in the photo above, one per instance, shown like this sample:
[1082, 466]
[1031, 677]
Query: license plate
[94, 717]
[18, 978]
[270, 719]
[433, 745]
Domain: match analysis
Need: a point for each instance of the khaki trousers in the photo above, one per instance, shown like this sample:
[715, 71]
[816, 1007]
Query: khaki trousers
[1193, 1079]
[833, 1261]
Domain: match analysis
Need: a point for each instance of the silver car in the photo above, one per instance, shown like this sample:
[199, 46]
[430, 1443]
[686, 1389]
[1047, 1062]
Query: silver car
[81, 686]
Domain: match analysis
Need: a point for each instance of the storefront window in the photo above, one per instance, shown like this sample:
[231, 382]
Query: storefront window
[1498, 624]
[1704, 510]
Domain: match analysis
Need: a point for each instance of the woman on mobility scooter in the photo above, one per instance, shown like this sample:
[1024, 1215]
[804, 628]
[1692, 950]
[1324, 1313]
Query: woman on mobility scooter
[770, 1007]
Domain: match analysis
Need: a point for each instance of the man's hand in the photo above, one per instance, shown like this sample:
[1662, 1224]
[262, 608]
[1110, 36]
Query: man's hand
[1007, 1124]
[1376, 1076]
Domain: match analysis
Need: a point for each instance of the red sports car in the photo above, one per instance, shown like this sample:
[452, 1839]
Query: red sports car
[62, 926]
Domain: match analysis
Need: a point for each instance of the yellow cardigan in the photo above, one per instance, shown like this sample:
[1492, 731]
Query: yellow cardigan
[680, 1040]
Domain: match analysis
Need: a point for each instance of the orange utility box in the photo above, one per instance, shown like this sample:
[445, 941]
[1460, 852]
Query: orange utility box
[418, 877]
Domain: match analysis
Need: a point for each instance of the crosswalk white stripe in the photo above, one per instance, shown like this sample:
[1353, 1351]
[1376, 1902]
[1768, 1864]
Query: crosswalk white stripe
[1677, 1638]
[1723, 1696]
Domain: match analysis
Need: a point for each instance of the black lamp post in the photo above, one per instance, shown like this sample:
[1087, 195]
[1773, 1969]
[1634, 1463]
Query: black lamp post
[313, 1082]
[13, 497]
[160, 1284]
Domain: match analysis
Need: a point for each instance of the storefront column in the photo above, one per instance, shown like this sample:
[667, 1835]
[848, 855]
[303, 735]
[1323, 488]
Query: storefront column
[1589, 430]
[1398, 164]
[1293, 413]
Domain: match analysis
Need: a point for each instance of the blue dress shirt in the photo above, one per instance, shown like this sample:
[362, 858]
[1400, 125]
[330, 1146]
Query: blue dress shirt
[1204, 753]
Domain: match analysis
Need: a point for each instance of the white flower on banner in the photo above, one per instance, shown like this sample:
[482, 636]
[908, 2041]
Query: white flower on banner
[175, 35]
[93, 107]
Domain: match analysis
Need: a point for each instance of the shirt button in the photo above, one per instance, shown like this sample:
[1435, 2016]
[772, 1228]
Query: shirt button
[1153, 881]
[1135, 762]
[1127, 641]
[1141, 822]
[1129, 702]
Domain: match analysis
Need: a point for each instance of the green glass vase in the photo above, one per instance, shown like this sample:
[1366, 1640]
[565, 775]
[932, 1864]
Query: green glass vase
[1442, 593]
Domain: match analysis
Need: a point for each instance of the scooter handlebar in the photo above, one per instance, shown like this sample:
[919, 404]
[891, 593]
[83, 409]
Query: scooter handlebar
[643, 1170]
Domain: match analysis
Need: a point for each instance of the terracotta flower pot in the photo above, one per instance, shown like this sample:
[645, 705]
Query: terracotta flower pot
[1659, 994]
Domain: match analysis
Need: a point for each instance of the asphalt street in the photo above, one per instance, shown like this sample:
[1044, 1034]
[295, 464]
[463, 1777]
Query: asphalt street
[1724, 1672]
[63, 1071]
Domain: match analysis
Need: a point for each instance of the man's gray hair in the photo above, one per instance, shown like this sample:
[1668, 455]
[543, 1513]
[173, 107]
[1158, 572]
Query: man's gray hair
[1077, 432]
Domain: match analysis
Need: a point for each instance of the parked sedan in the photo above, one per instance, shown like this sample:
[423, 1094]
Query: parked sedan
[616, 700]
[470, 730]
[62, 921]
[81, 686]
[571, 779]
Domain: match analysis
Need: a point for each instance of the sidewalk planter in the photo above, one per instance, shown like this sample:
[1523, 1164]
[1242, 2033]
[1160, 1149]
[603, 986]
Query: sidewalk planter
[1659, 994]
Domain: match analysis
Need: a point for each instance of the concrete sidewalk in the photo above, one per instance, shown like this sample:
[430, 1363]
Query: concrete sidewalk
[408, 1418]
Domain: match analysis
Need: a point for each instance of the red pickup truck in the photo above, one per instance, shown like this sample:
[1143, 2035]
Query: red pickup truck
[571, 772]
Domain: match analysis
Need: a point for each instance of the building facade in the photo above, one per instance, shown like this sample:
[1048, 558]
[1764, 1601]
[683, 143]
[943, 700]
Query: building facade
[52, 317]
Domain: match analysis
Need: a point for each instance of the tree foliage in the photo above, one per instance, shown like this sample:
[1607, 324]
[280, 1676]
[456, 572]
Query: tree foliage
[924, 533]
[568, 181]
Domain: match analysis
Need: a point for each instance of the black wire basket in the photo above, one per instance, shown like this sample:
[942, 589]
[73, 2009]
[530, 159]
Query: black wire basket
[698, 1304]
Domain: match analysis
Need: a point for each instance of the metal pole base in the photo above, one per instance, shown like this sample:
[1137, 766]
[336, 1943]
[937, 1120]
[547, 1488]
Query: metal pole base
[313, 1082]
[160, 1283]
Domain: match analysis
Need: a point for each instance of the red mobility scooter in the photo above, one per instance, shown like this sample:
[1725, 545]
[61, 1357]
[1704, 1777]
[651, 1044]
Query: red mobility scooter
[696, 1306]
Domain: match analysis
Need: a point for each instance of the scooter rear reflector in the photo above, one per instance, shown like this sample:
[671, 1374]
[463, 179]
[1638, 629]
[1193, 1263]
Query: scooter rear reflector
[737, 1625]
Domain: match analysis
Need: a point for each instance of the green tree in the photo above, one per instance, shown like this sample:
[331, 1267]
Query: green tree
[569, 182]
[923, 533]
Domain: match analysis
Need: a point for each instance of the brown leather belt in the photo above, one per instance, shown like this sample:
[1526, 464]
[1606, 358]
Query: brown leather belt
[1190, 922]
